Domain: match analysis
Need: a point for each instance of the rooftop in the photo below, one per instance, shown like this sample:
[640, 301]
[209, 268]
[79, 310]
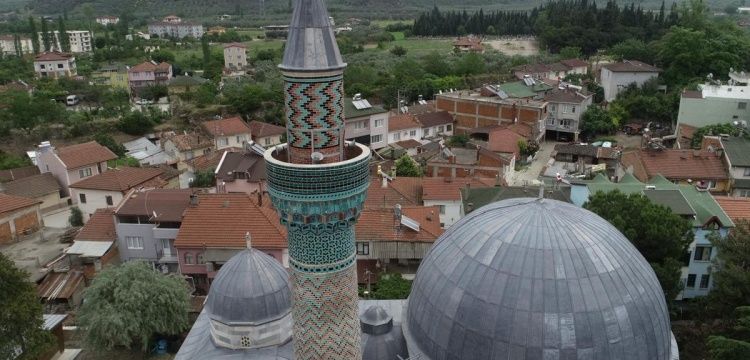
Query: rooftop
[60, 285]
[79, 155]
[18, 173]
[519, 89]
[235, 44]
[450, 189]
[119, 179]
[33, 186]
[380, 224]
[351, 111]
[402, 122]
[226, 127]
[53, 56]
[737, 150]
[676, 164]
[402, 190]
[630, 66]
[430, 119]
[149, 66]
[100, 227]
[9, 203]
[568, 95]
[187, 142]
[209, 161]
[504, 140]
[248, 162]
[573, 63]
[260, 129]
[725, 91]
[221, 221]
[738, 208]
[475, 96]
[476, 197]
[168, 204]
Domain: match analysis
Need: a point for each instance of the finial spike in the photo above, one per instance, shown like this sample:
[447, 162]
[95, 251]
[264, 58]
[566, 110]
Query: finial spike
[248, 240]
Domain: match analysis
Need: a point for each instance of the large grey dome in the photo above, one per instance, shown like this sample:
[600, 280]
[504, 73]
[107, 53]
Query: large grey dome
[251, 288]
[536, 279]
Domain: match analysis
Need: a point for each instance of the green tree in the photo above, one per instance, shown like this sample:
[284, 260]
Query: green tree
[34, 36]
[10, 161]
[206, 50]
[470, 64]
[88, 13]
[203, 179]
[135, 123]
[47, 37]
[406, 166]
[154, 92]
[27, 112]
[398, 50]
[570, 52]
[76, 217]
[632, 49]
[64, 39]
[21, 315]
[128, 305]
[661, 236]
[245, 98]
[726, 348]
[458, 140]
[391, 286]
[713, 130]
[731, 270]
[162, 56]
[107, 141]
[597, 121]
[434, 63]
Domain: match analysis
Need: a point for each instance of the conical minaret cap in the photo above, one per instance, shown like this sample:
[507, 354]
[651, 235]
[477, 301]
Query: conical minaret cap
[311, 44]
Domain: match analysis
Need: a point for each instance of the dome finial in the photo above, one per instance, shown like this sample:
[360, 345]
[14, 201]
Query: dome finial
[248, 240]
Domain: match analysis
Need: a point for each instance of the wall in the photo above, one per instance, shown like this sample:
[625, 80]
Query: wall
[452, 214]
[95, 199]
[430, 132]
[557, 112]
[269, 140]
[699, 267]
[48, 161]
[405, 135]
[18, 223]
[150, 246]
[240, 186]
[712, 110]
[613, 82]
[237, 141]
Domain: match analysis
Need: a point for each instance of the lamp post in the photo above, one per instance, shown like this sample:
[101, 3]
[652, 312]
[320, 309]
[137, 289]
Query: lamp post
[368, 273]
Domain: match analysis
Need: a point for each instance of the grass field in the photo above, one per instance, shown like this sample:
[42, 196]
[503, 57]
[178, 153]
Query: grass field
[419, 46]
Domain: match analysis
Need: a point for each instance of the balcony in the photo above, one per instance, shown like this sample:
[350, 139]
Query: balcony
[167, 258]
[165, 233]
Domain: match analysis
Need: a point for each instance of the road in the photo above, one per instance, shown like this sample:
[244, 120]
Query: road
[527, 175]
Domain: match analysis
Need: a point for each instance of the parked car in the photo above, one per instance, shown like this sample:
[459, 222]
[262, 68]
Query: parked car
[72, 100]
[143, 102]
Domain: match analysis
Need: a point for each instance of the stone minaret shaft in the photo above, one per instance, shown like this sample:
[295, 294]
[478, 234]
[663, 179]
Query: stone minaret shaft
[318, 184]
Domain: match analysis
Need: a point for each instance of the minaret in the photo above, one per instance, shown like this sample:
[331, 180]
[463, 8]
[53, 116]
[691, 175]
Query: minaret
[318, 183]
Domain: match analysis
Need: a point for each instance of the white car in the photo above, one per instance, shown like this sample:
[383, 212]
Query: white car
[143, 102]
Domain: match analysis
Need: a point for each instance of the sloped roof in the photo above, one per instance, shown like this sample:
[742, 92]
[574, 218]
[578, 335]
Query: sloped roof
[18, 173]
[79, 155]
[186, 142]
[380, 225]
[246, 161]
[402, 190]
[33, 186]
[402, 122]
[678, 164]
[226, 127]
[429, 119]
[100, 227]
[408, 144]
[10, 203]
[573, 63]
[53, 56]
[167, 204]
[630, 66]
[149, 66]
[260, 129]
[504, 141]
[235, 44]
[209, 161]
[737, 208]
[434, 188]
[311, 44]
[221, 221]
[62, 285]
[566, 96]
[120, 179]
[737, 150]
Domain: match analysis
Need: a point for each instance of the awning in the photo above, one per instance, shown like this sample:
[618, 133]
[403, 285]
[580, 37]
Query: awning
[89, 248]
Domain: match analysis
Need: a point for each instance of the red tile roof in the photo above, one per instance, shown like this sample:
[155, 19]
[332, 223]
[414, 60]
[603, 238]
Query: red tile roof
[504, 141]
[574, 63]
[168, 204]
[261, 129]
[226, 127]
[630, 66]
[79, 155]
[221, 221]
[100, 227]
[10, 203]
[187, 142]
[450, 189]
[402, 122]
[18, 173]
[676, 164]
[408, 144]
[210, 160]
[53, 56]
[738, 208]
[402, 190]
[429, 119]
[380, 225]
[33, 186]
[235, 44]
[120, 179]
[148, 66]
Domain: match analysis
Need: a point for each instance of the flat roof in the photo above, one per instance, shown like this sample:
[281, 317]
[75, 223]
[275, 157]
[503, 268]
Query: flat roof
[475, 96]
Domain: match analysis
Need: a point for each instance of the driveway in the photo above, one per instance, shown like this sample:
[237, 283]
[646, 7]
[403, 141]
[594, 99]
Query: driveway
[57, 218]
[527, 175]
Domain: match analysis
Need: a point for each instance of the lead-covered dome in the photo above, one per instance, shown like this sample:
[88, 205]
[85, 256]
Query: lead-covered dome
[536, 279]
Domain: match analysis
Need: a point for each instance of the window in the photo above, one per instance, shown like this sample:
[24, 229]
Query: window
[573, 110]
[551, 107]
[267, 141]
[223, 141]
[745, 172]
[702, 253]
[188, 258]
[239, 140]
[41, 66]
[413, 133]
[565, 123]
[82, 198]
[741, 105]
[378, 123]
[134, 242]
[359, 125]
[442, 209]
[690, 281]
[199, 259]
[363, 248]
[427, 132]
[109, 201]
[449, 127]
[705, 278]
[440, 129]
[59, 66]
[376, 139]
[550, 121]
[396, 136]
[82, 173]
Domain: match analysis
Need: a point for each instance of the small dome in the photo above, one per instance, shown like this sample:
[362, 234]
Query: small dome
[381, 339]
[376, 321]
[251, 288]
[532, 279]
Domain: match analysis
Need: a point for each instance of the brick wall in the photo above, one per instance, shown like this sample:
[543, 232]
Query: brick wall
[5, 234]
[27, 223]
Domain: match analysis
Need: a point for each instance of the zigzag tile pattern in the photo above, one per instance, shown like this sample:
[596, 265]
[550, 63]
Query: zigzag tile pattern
[314, 105]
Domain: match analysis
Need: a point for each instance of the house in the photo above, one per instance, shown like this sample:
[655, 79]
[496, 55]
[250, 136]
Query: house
[409, 147]
[115, 76]
[95, 246]
[107, 189]
[445, 193]
[217, 226]
[387, 193]
[565, 107]
[106, 20]
[72, 163]
[184, 147]
[466, 163]
[229, 132]
[183, 84]
[534, 71]
[266, 134]
[55, 65]
[18, 216]
[737, 157]
[18, 173]
[366, 123]
[80, 41]
[172, 19]
[437, 123]
[475, 197]
[147, 152]
[9, 45]
[527, 88]
[242, 172]
[207, 163]
[468, 44]
[737, 208]
[476, 110]
[147, 223]
[688, 201]
[148, 73]
[403, 127]
[703, 169]
[235, 56]
[504, 141]
[553, 71]
[617, 76]
[587, 155]
[62, 290]
[43, 188]
[395, 239]
[174, 27]
[716, 103]
[576, 66]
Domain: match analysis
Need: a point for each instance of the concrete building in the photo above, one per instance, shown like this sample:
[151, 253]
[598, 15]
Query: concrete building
[617, 76]
[115, 76]
[365, 123]
[147, 223]
[266, 134]
[172, 28]
[42, 187]
[107, 20]
[81, 41]
[445, 194]
[737, 158]
[19, 216]
[228, 133]
[565, 107]
[9, 45]
[714, 103]
[55, 65]
[436, 124]
[72, 163]
[242, 171]
[148, 73]
[107, 190]
[235, 56]
[184, 147]
[402, 127]
[703, 169]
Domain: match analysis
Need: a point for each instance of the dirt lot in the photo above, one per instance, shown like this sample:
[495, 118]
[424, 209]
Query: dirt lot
[525, 46]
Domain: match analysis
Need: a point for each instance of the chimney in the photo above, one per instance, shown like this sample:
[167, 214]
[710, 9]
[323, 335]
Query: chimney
[194, 200]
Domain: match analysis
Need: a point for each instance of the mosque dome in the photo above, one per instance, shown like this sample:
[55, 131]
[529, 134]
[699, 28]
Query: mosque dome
[536, 279]
[381, 338]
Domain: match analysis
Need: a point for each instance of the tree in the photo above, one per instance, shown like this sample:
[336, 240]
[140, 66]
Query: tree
[632, 49]
[725, 348]
[64, 39]
[470, 64]
[661, 236]
[406, 166]
[76, 217]
[434, 63]
[21, 315]
[135, 123]
[570, 52]
[46, 36]
[206, 50]
[203, 179]
[392, 286]
[162, 56]
[107, 141]
[88, 13]
[154, 92]
[10, 161]
[713, 130]
[459, 140]
[26, 112]
[597, 121]
[129, 304]
[731, 270]
[398, 50]
[34, 36]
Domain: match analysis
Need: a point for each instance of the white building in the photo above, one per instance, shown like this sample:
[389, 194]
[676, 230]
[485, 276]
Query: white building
[55, 65]
[80, 41]
[106, 20]
[235, 56]
[617, 76]
[403, 127]
[716, 103]
[8, 45]
[175, 29]
[365, 123]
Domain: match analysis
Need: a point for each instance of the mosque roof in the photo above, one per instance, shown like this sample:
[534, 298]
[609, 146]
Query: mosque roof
[311, 44]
